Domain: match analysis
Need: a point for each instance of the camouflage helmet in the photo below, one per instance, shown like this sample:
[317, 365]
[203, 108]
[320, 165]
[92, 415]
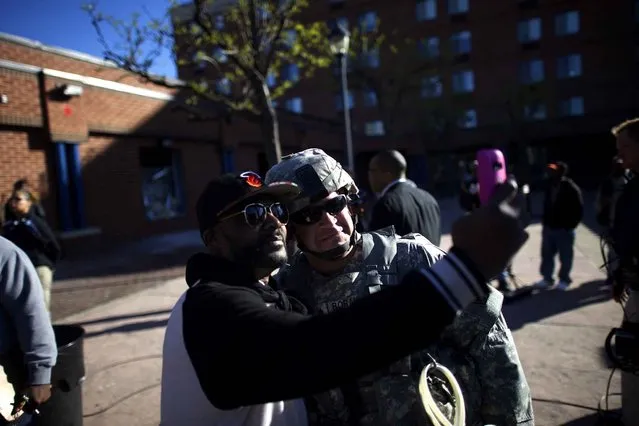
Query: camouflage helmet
[315, 172]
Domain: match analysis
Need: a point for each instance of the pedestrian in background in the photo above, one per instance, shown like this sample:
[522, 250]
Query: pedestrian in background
[401, 203]
[33, 235]
[563, 211]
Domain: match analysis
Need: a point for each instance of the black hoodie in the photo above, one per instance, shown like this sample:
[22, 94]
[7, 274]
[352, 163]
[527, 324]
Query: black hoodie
[250, 344]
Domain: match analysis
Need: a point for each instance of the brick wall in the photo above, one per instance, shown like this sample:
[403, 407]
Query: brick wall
[111, 127]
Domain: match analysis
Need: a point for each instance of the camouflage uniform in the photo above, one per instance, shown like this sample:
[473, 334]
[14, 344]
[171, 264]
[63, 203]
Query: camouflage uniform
[478, 347]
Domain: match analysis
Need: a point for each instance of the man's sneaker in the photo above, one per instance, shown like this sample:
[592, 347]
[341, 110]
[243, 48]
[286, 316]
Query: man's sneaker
[563, 285]
[542, 284]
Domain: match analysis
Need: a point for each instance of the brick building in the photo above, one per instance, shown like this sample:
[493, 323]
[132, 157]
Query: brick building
[114, 158]
[542, 79]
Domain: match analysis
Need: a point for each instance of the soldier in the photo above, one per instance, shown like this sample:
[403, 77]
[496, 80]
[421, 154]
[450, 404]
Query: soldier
[624, 236]
[337, 265]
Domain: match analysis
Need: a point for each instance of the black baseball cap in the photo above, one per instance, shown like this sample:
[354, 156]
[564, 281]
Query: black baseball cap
[230, 191]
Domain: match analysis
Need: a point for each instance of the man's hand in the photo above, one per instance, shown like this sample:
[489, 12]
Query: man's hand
[492, 234]
[39, 393]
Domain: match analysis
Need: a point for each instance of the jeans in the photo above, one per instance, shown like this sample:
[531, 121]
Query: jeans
[553, 242]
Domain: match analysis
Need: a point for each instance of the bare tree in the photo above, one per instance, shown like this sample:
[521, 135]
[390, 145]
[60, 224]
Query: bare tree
[234, 52]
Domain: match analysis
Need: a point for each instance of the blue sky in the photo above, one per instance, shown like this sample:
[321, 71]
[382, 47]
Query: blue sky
[63, 23]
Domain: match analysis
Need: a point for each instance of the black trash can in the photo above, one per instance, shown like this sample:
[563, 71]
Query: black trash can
[64, 408]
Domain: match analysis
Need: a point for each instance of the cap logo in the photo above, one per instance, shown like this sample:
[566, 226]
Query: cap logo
[252, 179]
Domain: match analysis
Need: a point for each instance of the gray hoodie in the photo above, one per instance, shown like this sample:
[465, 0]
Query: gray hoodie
[24, 320]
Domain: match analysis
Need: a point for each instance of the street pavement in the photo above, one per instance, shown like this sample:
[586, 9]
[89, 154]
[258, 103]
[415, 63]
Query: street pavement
[559, 336]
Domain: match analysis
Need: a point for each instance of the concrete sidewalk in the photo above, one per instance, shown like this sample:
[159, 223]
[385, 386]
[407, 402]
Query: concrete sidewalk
[559, 337]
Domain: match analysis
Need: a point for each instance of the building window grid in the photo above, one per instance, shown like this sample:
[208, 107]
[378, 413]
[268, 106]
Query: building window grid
[569, 66]
[426, 10]
[461, 42]
[429, 47]
[531, 72]
[529, 30]
[432, 87]
[370, 98]
[535, 112]
[468, 120]
[368, 22]
[456, 7]
[571, 107]
[291, 72]
[294, 105]
[339, 103]
[374, 128]
[464, 81]
[567, 23]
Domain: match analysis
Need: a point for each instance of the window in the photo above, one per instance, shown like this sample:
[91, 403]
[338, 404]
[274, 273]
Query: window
[463, 82]
[339, 103]
[429, 47]
[468, 120]
[162, 185]
[572, 106]
[432, 87]
[271, 79]
[370, 58]
[262, 13]
[294, 105]
[460, 43]
[368, 22]
[531, 72]
[223, 86]
[374, 128]
[338, 22]
[567, 23]
[289, 38]
[370, 98]
[529, 31]
[457, 6]
[219, 22]
[569, 66]
[291, 72]
[535, 111]
[426, 10]
[219, 55]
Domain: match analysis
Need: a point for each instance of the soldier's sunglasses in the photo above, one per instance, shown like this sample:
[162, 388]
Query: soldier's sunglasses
[255, 213]
[313, 214]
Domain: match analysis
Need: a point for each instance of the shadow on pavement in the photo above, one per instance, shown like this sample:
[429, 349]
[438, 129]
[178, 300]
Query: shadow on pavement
[128, 328]
[551, 302]
[597, 419]
[125, 317]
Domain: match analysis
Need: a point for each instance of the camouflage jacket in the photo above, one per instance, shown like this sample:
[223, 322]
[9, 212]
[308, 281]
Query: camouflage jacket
[478, 347]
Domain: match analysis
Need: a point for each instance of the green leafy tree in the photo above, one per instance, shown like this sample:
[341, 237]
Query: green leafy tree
[230, 52]
[408, 92]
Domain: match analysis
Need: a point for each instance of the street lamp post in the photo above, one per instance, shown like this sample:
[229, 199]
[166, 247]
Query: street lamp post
[339, 39]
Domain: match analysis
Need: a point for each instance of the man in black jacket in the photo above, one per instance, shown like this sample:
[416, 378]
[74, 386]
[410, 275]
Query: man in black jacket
[401, 203]
[563, 210]
[239, 352]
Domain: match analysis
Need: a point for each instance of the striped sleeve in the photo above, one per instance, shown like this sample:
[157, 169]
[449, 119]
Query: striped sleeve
[456, 278]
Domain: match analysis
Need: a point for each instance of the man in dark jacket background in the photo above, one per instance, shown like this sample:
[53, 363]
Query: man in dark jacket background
[401, 203]
[563, 210]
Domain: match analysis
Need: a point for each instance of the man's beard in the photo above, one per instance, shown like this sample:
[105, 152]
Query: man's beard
[261, 256]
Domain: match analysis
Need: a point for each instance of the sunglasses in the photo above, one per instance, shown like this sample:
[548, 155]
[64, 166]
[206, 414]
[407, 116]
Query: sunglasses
[255, 214]
[313, 214]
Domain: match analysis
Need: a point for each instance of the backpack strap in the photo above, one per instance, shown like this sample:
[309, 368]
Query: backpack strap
[379, 250]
